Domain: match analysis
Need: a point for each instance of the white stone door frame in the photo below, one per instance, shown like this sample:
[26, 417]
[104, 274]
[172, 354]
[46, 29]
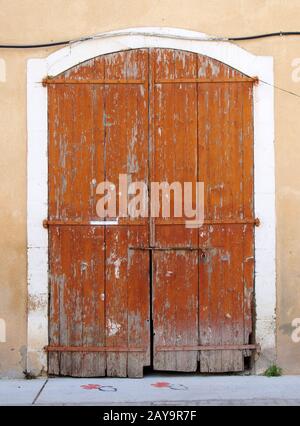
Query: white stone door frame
[37, 168]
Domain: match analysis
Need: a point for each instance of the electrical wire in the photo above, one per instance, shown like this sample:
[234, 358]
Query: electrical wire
[259, 36]
[289, 92]
[33, 46]
[66, 42]
[165, 35]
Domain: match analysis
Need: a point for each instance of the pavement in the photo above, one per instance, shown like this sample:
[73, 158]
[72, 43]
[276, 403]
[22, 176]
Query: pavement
[168, 389]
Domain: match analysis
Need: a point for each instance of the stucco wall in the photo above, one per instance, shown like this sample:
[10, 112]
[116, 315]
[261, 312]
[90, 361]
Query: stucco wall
[29, 21]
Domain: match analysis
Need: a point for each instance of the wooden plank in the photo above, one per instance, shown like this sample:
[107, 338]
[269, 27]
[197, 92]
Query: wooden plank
[175, 309]
[210, 316]
[93, 300]
[55, 281]
[66, 299]
[56, 278]
[223, 144]
[84, 174]
[138, 279]
[94, 286]
[74, 163]
[175, 272]
[126, 153]
[211, 285]
[232, 330]
[60, 135]
[127, 295]
[81, 176]
[232, 257]
[138, 263]
[211, 282]
[248, 202]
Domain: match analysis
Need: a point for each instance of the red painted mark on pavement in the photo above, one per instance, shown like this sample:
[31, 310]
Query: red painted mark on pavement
[90, 387]
[161, 385]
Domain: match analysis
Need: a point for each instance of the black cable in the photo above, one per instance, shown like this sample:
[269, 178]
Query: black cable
[258, 36]
[61, 43]
[279, 34]
[33, 46]
[289, 92]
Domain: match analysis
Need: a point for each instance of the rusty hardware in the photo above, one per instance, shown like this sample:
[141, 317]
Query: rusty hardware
[92, 349]
[202, 250]
[48, 81]
[47, 223]
[104, 222]
[176, 221]
[256, 348]
[256, 81]
[168, 248]
[257, 222]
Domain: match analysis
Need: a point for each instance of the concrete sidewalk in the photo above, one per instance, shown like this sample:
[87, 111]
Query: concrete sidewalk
[154, 390]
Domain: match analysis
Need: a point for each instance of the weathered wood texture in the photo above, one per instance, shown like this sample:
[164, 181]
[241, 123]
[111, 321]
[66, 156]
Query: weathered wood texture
[99, 289]
[152, 130]
[175, 273]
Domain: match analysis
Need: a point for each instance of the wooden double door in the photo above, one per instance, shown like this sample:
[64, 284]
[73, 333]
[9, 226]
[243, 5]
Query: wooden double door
[140, 292]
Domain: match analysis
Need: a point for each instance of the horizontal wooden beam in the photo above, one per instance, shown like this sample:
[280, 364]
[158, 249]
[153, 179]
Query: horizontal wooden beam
[185, 348]
[206, 80]
[92, 349]
[207, 348]
[50, 81]
[143, 222]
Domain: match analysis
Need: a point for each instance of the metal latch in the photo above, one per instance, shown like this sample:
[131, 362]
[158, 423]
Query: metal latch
[47, 223]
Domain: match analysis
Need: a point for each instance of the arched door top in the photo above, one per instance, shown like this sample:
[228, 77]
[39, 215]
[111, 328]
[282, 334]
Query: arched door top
[170, 38]
[205, 69]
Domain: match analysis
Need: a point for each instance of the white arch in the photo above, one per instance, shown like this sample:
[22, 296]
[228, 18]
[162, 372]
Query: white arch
[75, 53]
[135, 38]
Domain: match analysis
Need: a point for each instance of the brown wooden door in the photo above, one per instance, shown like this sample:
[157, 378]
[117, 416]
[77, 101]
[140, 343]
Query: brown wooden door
[99, 289]
[150, 291]
[202, 131]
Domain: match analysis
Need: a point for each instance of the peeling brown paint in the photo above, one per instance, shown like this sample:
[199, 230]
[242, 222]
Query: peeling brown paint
[152, 131]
